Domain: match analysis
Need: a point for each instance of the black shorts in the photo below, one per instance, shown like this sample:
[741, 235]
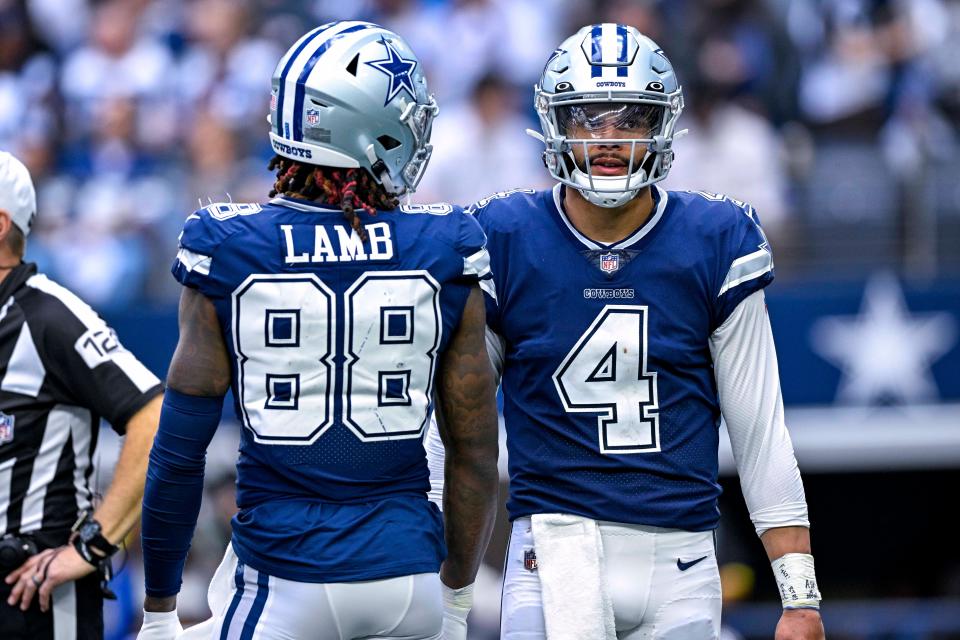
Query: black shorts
[79, 610]
[81, 619]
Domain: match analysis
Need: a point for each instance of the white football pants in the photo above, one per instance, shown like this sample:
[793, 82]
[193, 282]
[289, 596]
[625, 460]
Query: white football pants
[664, 584]
[249, 604]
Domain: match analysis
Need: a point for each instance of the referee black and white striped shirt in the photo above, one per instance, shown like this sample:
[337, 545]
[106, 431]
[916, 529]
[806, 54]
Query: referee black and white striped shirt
[61, 370]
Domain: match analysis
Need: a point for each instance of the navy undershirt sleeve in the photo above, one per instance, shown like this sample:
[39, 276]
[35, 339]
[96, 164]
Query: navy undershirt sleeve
[174, 487]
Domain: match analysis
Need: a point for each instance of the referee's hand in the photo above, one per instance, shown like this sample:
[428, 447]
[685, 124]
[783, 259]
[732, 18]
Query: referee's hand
[42, 573]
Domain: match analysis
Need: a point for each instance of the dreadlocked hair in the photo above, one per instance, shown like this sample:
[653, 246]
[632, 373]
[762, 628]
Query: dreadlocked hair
[349, 189]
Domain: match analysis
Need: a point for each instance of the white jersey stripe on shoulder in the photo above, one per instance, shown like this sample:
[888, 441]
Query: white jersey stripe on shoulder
[477, 264]
[126, 361]
[747, 268]
[25, 370]
[194, 261]
[139, 375]
[77, 307]
[488, 287]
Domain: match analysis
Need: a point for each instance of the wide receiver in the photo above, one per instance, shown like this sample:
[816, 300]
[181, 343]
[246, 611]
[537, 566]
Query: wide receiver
[333, 314]
[627, 320]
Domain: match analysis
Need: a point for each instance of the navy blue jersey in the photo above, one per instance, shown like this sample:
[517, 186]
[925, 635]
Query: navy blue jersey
[334, 343]
[610, 403]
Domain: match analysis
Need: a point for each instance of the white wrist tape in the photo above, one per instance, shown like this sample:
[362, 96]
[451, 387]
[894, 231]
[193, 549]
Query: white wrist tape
[797, 581]
[458, 600]
[160, 625]
[456, 608]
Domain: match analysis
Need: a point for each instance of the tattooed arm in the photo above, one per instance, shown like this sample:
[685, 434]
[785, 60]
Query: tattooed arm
[198, 378]
[467, 417]
[200, 365]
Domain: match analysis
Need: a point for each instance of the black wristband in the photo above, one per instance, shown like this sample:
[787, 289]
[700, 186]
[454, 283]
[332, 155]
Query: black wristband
[89, 542]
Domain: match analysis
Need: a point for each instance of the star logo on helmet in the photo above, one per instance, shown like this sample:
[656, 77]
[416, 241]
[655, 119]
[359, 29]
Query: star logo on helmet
[399, 69]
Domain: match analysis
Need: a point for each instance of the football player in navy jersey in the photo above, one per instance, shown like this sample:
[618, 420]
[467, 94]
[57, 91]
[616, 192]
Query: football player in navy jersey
[626, 320]
[336, 317]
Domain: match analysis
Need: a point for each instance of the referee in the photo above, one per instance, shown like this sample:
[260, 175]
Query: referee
[61, 370]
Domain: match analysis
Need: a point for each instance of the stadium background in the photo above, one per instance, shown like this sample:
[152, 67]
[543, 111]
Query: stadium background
[837, 119]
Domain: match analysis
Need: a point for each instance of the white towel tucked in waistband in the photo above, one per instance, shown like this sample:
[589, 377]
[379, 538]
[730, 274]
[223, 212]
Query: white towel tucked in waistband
[576, 603]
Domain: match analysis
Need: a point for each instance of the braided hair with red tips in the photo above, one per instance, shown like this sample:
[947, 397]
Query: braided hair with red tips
[349, 189]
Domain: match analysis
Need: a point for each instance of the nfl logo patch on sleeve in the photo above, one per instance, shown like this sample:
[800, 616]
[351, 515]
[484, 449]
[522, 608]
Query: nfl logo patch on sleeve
[6, 428]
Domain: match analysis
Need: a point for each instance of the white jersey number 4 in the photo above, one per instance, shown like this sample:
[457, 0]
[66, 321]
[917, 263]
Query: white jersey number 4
[606, 373]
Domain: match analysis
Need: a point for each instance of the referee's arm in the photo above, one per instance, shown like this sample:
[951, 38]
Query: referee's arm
[117, 515]
[120, 509]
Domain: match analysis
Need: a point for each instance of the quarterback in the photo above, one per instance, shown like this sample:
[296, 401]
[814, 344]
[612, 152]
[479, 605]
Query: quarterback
[336, 317]
[625, 321]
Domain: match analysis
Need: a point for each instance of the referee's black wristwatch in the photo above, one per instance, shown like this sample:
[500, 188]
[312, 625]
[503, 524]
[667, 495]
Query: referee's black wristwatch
[90, 542]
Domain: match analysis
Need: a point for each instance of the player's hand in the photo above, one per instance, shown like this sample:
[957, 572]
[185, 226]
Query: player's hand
[160, 625]
[800, 624]
[42, 573]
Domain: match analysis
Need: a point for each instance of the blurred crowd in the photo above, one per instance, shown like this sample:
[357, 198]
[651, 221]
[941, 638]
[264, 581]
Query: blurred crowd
[131, 112]
[826, 115]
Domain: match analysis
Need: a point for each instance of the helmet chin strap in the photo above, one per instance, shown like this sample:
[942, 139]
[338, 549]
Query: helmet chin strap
[380, 170]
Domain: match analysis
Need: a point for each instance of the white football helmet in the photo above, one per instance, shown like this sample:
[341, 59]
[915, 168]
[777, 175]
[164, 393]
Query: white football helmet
[352, 94]
[608, 77]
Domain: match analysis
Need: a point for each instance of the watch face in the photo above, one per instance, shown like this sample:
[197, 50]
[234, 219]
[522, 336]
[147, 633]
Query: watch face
[88, 531]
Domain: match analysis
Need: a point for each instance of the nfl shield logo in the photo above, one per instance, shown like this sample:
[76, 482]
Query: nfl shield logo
[609, 262]
[313, 116]
[6, 428]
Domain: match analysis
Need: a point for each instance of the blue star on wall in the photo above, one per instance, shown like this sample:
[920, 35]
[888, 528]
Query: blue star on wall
[399, 70]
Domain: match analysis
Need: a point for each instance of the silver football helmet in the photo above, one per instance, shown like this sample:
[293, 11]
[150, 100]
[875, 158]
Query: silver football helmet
[353, 94]
[606, 88]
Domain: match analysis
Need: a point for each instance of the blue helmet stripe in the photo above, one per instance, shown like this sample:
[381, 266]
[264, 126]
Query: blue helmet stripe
[596, 52]
[301, 92]
[281, 90]
[622, 56]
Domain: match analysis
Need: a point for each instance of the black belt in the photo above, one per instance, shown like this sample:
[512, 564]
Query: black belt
[15, 548]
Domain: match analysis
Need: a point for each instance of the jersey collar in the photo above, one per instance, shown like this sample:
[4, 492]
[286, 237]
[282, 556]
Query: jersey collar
[660, 205]
[15, 279]
[302, 205]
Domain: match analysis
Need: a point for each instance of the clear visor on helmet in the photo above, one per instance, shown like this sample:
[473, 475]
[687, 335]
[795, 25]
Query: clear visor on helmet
[609, 120]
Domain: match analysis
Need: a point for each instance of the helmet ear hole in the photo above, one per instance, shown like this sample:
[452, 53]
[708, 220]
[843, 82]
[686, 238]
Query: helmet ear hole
[388, 142]
[352, 67]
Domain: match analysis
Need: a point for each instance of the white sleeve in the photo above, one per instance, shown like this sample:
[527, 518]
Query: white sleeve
[748, 383]
[436, 454]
